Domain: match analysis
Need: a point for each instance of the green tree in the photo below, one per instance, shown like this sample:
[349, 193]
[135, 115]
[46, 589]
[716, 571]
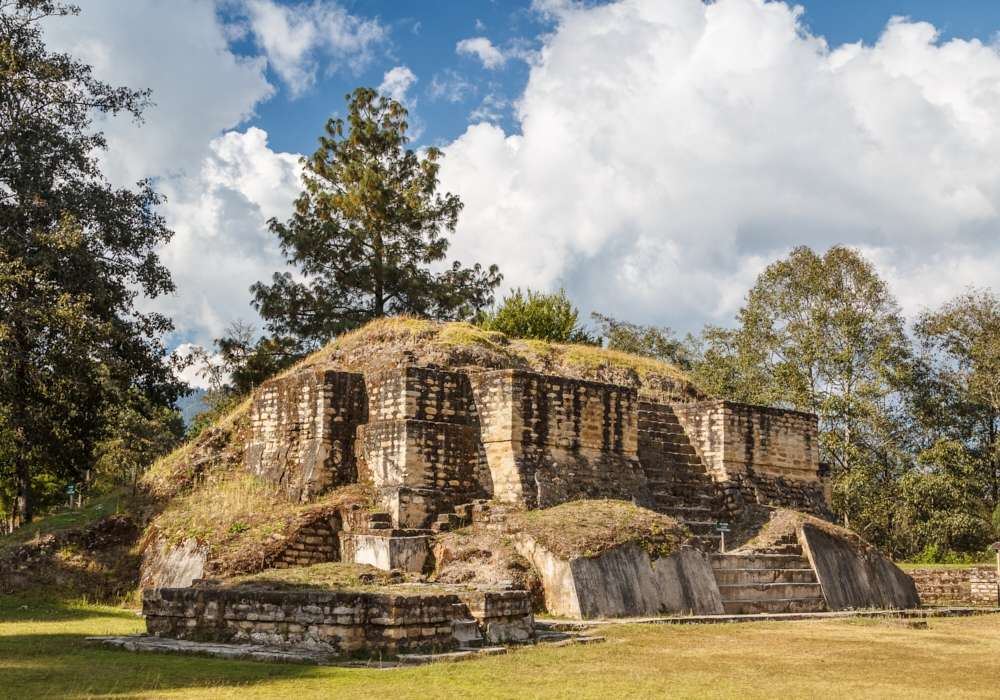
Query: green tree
[241, 362]
[537, 315]
[824, 334]
[956, 404]
[648, 341]
[75, 254]
[137, 434]
[365, 232]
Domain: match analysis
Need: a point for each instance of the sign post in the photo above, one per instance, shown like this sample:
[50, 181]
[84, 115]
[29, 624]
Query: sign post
[70, 490]
[722, 529]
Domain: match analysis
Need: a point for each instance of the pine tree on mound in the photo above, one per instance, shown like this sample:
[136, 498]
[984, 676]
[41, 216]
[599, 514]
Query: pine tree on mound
[365, 232]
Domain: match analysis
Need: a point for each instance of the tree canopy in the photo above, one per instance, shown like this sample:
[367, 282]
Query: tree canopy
[366, 231]
[536, 315]
[75, 254]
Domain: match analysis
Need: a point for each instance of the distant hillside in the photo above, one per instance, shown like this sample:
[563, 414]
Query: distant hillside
[190, 406]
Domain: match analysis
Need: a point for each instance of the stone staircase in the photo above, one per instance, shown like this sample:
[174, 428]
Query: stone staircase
[778, 579]
[675, 474]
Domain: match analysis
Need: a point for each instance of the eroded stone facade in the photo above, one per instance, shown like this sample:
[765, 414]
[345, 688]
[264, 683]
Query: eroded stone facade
[550, 439]
[429, 440]
[302, 432]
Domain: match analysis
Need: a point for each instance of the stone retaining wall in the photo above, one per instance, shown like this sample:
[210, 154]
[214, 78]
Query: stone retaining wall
[302, 431]
[973, 585]
[316, 543]
[551, 439]
[337, 622]
[421, 450]
[767, 454]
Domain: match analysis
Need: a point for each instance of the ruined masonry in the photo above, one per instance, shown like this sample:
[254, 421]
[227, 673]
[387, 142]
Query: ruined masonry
[430, 440]
[445, 448]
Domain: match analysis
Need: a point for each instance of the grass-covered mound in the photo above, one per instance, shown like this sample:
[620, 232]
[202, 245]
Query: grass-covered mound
[391, 342]
[589, 528]
[336, 576]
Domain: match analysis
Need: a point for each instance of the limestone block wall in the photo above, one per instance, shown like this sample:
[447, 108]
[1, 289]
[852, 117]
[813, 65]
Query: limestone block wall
[973, 585]
[759, 455]
[421, 449]
[733, 437]
[316, 543]
[552, 439]
[339, 622]
[302, 430]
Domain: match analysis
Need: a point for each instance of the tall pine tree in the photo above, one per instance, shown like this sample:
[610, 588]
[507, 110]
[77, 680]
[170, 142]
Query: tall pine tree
[365, 232]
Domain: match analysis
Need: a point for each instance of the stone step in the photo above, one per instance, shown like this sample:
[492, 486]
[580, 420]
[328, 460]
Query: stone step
[792, 605]
[729, 577]
[769, 591]
[759, 561]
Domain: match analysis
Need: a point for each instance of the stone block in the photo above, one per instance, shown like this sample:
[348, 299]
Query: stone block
[386, 553]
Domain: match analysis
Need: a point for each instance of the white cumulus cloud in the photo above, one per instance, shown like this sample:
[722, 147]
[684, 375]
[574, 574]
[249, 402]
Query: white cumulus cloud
[397, 82]
[295, 37]
[483, 48]
[670, 150]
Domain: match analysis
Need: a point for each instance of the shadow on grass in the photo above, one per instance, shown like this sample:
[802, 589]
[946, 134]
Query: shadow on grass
[64, 665]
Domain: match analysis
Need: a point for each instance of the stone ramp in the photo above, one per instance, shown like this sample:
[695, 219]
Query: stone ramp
[755, 583]
[675, 475]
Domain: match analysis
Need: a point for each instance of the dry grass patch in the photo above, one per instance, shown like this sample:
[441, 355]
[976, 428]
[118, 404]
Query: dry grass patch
[243, 520]
[588, 528]
[334, 576]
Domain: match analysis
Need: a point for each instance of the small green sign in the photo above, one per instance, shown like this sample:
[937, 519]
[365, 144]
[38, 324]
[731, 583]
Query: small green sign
[70, 490]
[722, 527]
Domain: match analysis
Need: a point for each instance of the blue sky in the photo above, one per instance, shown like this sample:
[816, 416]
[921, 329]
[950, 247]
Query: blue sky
[423, 35]
[649, 156]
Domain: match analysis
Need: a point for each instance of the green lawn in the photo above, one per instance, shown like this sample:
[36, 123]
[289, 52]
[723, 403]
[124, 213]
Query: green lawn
[42, 655]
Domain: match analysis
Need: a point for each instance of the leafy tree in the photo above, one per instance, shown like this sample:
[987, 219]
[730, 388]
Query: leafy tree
[824, 334]
[240, 364]
[138, 433]
[647, 341]
[365, 232]
[537, 315]
[75, 254]
[956, 404]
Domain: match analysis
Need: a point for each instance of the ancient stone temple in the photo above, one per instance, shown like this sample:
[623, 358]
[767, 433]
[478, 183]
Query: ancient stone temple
[429, 440]
[445, 448]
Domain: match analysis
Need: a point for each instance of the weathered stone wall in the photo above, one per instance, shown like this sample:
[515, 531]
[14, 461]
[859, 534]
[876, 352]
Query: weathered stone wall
[421, 450]
[973, 585]
[759, 455]
[338, 622]
[550, 439]
[316, 543]
[302, 431]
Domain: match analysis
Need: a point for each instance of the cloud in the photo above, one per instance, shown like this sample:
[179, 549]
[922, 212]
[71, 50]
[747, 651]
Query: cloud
[450, 85]
[396, 83]
[293, 37]
[669, 151]
[221, 185]
[490, 55]
[222, 244]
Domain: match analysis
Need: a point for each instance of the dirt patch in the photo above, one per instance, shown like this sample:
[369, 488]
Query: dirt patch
[98, 562]
[588, 528]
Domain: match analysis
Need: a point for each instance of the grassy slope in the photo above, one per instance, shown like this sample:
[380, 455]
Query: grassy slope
[111, 504]
[42, 655]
